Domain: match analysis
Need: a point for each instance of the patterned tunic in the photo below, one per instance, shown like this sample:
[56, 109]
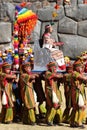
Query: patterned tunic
[27, 92]
[50, 86]
[77, 88]
[6, 86]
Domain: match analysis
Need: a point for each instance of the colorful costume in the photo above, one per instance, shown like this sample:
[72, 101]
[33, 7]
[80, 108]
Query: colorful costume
[67, 92]
[77, 93]
[6, 87]
[27, 94]
[53, 94]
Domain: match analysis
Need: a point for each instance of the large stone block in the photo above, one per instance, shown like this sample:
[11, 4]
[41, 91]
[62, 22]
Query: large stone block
[77, 13]
[67, 25]
[5, 32]
[60, 2]
[83, 11]
[2, 12]
[72, 12]
[45, 14]
[74, 2]
[80, 1]
[36, 33]
[73, 45]
[34, 7]
[82, 28]
[6, 1]
[10, 10]
[31, 0]
[18, 1]
[7, 11]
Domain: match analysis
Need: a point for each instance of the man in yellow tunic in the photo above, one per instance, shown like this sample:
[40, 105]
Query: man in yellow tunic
[53, 94]
[77, 95]
[27, 94]
[67, 92]
[6, 79]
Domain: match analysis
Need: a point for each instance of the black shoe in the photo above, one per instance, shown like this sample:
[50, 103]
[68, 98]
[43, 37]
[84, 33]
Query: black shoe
[59, 124]
[43, 115]
[50, 124]
[8, 122]
[33, 123]
[37, 117]
[81, 126]
[73, 126]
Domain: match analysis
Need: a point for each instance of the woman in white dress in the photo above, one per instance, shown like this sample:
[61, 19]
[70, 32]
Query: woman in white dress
[50, 44]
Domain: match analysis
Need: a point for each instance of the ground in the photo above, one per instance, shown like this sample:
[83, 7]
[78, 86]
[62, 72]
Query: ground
[36, 127]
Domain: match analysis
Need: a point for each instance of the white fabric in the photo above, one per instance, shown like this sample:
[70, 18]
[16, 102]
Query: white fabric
[48, 46]
[4, 99]
[61, 61]
[80, 101]
[35, 96]
[55, 98]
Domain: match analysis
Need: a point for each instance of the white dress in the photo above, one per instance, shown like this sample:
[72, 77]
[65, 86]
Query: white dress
[56, 54]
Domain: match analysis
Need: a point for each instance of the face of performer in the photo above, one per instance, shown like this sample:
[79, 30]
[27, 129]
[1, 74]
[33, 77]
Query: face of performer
[82, 69]
[69, 70]
[53, 69]
[7, 70]
[49, 29]
[79, 69]
[28, 69]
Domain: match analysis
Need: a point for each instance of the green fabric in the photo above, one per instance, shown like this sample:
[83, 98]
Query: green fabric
[42, 108]
[51, 115]
[31, 116]
[9, 115]
[48, 74]
[78, 87]
[76, 75]
[60, 114]
[28, 96]
[83, 92]
[2, 77]
[51, 84]
[27, 91]
[28, 116]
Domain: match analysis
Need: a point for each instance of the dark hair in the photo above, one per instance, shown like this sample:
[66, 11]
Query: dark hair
[47, 28]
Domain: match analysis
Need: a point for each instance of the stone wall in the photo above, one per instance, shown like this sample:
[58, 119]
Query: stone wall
[70, 25]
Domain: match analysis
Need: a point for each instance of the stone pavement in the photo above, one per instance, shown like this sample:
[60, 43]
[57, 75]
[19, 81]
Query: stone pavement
[36, 127]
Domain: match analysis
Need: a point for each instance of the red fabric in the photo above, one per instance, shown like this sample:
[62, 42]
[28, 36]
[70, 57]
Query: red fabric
[5, 82]
[85, 1]
[63, 67]
[85, 68]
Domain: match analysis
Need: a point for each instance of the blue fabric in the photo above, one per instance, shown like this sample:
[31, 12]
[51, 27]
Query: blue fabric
[1, 61]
